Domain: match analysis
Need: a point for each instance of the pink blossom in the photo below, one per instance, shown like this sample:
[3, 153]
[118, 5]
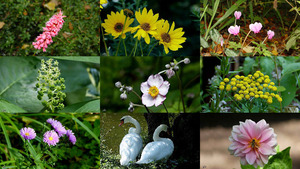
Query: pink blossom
[234, 30]
[256, 27]
[237, 14]
[270, 34]
[253, 142]
[52, 28]
[154, 90]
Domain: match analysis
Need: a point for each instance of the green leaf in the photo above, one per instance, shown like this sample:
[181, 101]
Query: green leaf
[248, 65]
[290, 68]
[281, 88]
[87, 129]
[91, 59]
[230, 52]
[9, 107]
[267, 65]
[281, 160]
[203, 43]
[291, 43]
[247, 167]
[215, 35]
[289, 82]
[83, 107]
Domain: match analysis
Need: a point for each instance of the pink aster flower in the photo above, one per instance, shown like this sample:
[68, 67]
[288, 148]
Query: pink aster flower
[58, 127]
[253, 142]
[256, 27]
[52, 28]
[27, 133]
[154, 90]
[51, 138]
[270, 34]
[234, 30]
[237, 14]
[71, 136]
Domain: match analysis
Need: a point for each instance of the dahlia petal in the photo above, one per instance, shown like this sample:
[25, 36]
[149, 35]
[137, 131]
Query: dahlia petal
[266, 134]
[251, 157]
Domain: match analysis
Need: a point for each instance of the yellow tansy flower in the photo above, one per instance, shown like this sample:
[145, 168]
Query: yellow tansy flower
[147, 24]
[114, 24]
[171, 39]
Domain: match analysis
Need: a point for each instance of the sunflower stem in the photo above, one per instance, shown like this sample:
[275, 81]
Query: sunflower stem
[152, 48]
[107, 53]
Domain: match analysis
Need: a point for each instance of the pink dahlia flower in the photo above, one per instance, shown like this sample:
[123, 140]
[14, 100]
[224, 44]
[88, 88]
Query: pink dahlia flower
[270, 34]
[256, 27]
[234, 30]
[253, 142]
[52, 28]
[27, 133]
[237, 14]
[154, 90]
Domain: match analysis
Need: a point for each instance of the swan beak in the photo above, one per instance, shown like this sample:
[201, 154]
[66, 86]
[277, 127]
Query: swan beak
[122, 122]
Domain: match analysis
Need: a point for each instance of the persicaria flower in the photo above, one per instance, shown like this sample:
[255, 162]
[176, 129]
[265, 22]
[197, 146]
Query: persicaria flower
[256, 27]
[234, 30]
[51, 138]
[237, 14]
[270, 34]
[154, 90]
[27, 133]
[253, 142]
[71, 136]
[52, 28]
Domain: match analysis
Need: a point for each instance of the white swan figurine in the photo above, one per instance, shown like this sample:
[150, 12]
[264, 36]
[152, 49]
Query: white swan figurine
[160, 148]
[132, 142]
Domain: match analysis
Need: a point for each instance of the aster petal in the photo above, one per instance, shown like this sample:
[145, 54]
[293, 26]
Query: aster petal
[147, 100]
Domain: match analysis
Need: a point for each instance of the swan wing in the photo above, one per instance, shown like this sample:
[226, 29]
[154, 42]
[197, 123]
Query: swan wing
[156, 150]
[130, 147]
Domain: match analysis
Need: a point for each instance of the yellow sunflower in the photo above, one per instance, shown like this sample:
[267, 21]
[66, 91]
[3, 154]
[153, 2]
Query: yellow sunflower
[147, 25]
[102, 2]
[171, 39]
[115, 24]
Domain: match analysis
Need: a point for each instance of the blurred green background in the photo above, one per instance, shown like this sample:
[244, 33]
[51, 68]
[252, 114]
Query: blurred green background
[24, 21]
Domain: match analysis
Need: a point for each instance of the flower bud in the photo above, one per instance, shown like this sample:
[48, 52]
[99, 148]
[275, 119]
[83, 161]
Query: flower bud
[186, 60]
[123, 96]
[118, 84]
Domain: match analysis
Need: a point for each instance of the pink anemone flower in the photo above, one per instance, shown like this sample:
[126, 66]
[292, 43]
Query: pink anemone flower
[253, 142]
[154, 90]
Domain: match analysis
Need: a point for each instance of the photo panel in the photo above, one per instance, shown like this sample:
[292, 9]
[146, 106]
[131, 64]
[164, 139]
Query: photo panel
[250, 84]
[149, 140]
[232, 140]
[50, 84]
[150, 84]
[50, 140]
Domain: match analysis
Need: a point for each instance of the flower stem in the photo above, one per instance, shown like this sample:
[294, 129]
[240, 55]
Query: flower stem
[165, 108]
[244, 42]
[152, 49]
[181, 92]
[107, 53]
[122, 38]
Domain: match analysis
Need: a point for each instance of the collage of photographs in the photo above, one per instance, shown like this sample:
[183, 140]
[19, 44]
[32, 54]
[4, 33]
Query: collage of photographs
[100, 84]
[250, 84]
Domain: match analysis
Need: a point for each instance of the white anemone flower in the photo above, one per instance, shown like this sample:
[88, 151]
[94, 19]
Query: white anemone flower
[154, 90]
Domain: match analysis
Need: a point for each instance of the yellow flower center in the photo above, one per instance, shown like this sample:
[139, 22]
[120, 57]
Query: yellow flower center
[50, 138]
[254, 144]
[153, 91]
[145, 26]
[118, 27]
[26, 134]
[165, 37]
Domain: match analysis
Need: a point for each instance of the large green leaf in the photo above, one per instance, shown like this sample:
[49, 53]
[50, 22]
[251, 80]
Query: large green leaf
[289, 82]
[83, 107]
[18, 79]
[281, 160]
[267, 65]
[10, 108]
[91, 59]
[290, 68]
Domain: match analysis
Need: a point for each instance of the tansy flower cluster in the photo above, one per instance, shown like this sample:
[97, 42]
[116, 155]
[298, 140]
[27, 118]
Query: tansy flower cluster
[118, 24]
[253, 86]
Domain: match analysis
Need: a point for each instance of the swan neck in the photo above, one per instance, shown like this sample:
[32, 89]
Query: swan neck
[156, 134]
[137, 126]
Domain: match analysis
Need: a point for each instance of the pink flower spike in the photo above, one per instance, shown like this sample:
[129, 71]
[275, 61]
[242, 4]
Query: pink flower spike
[52, 28]
[253, 142]
[270, 34]
[256, 27]
[237, 14]
[234, 30]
